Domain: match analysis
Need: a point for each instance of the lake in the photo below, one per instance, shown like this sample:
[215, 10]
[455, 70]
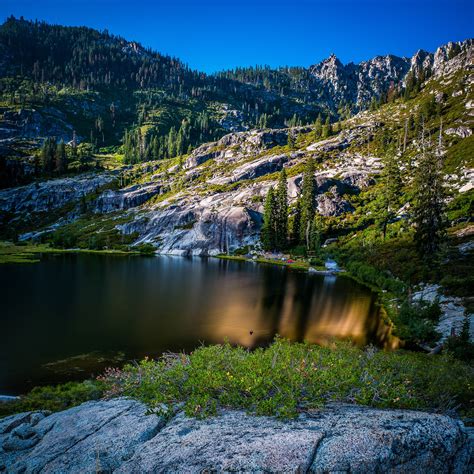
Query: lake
[71, 316]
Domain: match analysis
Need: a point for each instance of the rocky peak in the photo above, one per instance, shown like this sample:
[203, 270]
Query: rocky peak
[358, 83]
[330, 69]
[453, 56]
[421, 61]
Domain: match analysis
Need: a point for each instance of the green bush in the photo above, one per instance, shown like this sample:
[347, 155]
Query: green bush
[415, 324]
[460, 345]
[242, 250]
[458, 285]
[287, 377]
[145, 249]
[54, 398]
[374, 277]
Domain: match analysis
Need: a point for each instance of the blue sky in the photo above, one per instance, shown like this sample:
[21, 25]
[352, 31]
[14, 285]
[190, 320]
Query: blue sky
[212, 35]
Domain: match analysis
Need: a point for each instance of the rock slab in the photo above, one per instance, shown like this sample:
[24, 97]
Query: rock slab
[119, 436]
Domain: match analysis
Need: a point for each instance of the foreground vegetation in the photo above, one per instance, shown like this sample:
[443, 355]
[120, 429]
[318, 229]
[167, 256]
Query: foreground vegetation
[280, 380]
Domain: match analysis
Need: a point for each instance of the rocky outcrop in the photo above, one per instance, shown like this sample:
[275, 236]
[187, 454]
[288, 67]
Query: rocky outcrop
[118, 436]
[237, 145]
[254, 169]
[453, 313]
[202, 225]
[331, 204]
[32, 123]
[460, 131]
[126, 198]
[52, 194]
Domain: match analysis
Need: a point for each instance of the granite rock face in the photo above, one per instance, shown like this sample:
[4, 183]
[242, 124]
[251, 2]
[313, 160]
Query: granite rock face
[46, 196]
[118, 436]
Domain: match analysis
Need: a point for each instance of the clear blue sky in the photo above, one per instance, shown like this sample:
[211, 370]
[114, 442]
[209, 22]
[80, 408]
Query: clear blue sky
[212, 35]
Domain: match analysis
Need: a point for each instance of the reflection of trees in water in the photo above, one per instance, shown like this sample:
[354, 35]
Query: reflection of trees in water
[302, 302]
[272, 301]
[376, 328]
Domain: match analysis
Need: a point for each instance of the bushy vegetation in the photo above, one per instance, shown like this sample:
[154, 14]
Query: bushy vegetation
[415, 324]
[288, 377]
[54, 398]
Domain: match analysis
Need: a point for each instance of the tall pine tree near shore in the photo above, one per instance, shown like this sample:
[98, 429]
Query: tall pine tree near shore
[268, 235]
[296, 224]
[281, 212]
[308, 194]
[389, 196]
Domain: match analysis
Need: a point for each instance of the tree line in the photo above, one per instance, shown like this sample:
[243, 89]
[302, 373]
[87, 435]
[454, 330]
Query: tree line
[427, 204]
[305, 229]
[141, 146]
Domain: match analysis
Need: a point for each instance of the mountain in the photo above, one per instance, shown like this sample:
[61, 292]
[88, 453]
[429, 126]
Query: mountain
[355, 85]
[78, 84]
[211, 199]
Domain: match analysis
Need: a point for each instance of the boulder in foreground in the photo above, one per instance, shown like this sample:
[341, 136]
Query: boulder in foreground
[118, 435]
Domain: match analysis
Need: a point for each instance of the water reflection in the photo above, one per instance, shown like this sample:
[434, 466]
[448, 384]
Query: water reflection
[104, 305]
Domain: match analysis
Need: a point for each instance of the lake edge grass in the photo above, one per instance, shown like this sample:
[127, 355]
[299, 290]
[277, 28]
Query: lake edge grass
[11, 253]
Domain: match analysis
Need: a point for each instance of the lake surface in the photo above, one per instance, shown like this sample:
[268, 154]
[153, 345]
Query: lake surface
[71, 316]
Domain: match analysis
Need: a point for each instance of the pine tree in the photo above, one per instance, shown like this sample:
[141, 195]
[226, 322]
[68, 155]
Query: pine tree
[308, 193]
[327, 128]
[281, 214]
[268, 235]
[48, 154]
[60, 158]
[428, 208]
[314, 240]
[389, 196]
[318, 127]
[291, 141]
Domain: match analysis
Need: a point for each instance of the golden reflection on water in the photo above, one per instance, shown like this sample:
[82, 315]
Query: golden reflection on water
[298, 310]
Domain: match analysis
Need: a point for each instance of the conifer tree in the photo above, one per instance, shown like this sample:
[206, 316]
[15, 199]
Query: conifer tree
[48, 154]
[60, 158]
[268, 235]
[296, 223]
[327, 128]
[291, 141]
[428, 207]
[318, 127]
[281, 212]
[389, 196]
[314, 240]
[308, 193]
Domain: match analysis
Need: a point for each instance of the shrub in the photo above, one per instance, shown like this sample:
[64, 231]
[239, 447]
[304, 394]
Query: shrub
[460, 346]
[287, 377]
[145, 249]
[54, 398]
[415, 324]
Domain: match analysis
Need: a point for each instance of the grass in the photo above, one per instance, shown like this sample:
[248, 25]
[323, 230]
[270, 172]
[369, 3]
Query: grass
[296, 265]
[54, 398]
